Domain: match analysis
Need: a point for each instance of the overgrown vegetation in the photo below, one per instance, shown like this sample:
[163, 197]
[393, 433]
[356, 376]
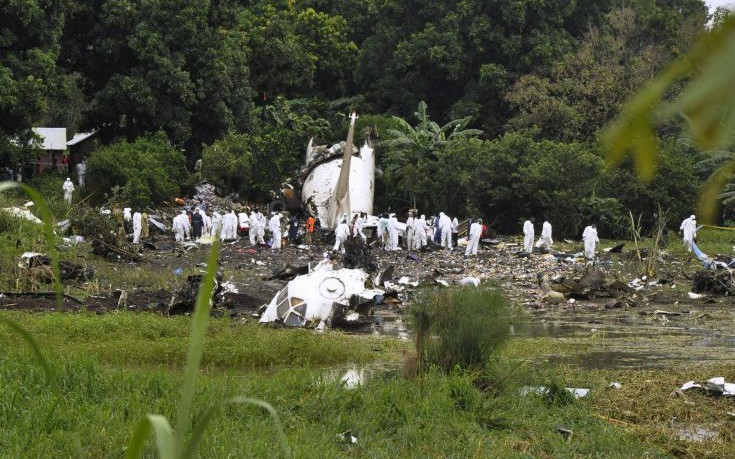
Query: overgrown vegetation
[246, 86]
[460, 328]
[147, 171]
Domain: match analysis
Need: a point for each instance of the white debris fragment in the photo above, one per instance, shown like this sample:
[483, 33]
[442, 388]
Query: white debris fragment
[716, 384]
[26, 257]
[542, 390]
[22, 213]
[405, 280]
[352, 379]
[615, 385]
[312, 296]
[229, 287]
[695, 296]
[474, 281]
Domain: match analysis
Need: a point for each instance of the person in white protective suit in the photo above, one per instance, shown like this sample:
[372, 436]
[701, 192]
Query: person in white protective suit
[341, 232]
[589, 236]
[68, 188]
[81, 169]
[229, 226]
[419, 231]
[410, 231]
[528, 236]
[243, 221]
[393, 231]
[207, 222]
[181, 227]
[359, 225]
[688, 229]
[274, 224]
[216, 224]
[137, 227]
[545, 240]
[445, 225]
[473, 238]
[261, 228]
[455, 230]
[383, 235]
[128, 214]
[254, 227]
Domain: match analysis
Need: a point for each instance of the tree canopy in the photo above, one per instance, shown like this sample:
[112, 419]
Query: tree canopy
[257, 79]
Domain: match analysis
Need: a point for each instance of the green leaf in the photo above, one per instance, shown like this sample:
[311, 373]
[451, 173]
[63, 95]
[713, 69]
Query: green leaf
[709, 199]
[200, 322]
[164, 437]
[708, 103]
[202, 422]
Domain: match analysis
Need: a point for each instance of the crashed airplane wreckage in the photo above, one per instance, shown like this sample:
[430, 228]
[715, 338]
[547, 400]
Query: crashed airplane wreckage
[334, 181]
[324, 297]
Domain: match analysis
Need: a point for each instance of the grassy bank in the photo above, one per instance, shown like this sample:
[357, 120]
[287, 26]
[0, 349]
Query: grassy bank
[115, 368]
[434, 416]
[130, 339]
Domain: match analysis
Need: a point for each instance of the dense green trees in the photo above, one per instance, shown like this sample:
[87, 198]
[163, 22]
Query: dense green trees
[246, 84]
[147, 171]
[29, 46]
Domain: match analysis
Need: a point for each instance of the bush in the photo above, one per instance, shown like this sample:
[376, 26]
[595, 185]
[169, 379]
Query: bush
[148, 171]
[251, 165]
[507, 180]
[460, 328]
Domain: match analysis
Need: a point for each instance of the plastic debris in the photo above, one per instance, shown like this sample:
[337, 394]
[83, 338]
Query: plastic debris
[352, 379]
[22, 213]
[565, 432]
[473, 281]
[543, 390]
[715, 386]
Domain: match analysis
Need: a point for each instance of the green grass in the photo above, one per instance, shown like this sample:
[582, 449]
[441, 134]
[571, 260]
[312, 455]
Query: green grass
[435, 416]
[134, 339]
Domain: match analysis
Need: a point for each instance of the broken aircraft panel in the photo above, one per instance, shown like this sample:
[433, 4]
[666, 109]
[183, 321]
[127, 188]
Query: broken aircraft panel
[312, 297]
[322, 176]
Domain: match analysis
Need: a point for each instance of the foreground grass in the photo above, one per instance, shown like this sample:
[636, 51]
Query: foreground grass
[141, 339]
[113, 369]
[433, 416]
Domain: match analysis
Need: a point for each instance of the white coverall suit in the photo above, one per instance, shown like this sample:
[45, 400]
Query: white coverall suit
[689, 231]
[445, 225]
[590, 240]
[545, 239]
[340, 236]
[274, 224]
[473, 239]
[137, 226]
[528, 235]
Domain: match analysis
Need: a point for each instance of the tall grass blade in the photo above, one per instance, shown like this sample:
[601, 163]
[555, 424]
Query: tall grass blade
[196, 344]
[203, 421]
[164, 437]
[48, 230]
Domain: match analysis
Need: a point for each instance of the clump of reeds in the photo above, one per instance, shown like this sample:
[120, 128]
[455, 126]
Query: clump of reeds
[460, 327]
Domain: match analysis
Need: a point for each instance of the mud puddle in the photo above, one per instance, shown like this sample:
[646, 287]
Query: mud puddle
[655, 336]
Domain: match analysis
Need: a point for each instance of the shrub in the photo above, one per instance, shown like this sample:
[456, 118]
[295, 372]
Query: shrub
[460, 328]
[148, 171]
[251, 165]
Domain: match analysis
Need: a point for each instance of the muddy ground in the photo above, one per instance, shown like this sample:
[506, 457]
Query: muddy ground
[647, 323]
